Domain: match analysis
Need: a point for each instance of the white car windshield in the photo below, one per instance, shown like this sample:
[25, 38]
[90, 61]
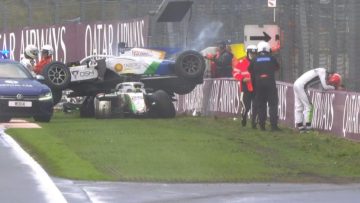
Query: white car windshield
[12, 70]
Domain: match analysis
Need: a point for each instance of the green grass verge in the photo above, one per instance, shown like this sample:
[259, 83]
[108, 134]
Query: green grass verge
[186, 149]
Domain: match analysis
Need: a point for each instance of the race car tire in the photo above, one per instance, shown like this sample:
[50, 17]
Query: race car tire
[57, 75]
[161, 105]
[42, 118]
[87, 109]
[57, 95]
[102, 109]
[181, 86]
[5, 119]
[190, 64]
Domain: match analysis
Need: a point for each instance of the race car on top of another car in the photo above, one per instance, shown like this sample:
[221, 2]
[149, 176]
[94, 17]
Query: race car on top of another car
[101, 74]
[22, 95]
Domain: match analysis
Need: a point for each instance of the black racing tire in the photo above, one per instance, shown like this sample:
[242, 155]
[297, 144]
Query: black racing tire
[43, 118]
[102, 109]
[182, 86]
[57, 95]
[87, 109]
[57, 75]
[190, 64]
[160, 105]
[5, 119]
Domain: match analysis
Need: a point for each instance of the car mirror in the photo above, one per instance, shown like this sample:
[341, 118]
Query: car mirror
[39, 77]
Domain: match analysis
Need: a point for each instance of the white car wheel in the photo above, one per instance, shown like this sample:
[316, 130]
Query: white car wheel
[102, 109]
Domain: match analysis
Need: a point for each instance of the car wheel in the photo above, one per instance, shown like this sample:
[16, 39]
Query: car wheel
[87, 107]
[102, 109]
[57, 95]
[190, 64]
[181, 86]
[160, 105]
[57, 75]
[42, 118]
[5, 119]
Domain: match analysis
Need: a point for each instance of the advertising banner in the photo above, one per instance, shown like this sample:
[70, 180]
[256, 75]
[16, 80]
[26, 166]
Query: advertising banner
[72, 42]
[337, 112]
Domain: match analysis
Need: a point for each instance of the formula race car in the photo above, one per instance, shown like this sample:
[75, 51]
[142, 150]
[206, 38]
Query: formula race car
[131, 99]
[102, 73]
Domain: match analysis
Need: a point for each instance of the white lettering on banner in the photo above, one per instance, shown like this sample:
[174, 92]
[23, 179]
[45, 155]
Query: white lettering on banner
[177, 102]
[229, 100]
[108, 41]
[225, 97]
[62, 43]
[194, 100]
[132, 33]
[99, 39]
[214, 95]
[351, 115]
[11, 42]
[323, 115]
[4, 42]
[216, 99]
[88, 41]
[282, 92]
[237, 97]
[52, 36]
[12, 45]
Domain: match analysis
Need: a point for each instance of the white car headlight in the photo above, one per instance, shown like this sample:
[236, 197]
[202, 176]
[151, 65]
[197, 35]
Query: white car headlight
[45, 97]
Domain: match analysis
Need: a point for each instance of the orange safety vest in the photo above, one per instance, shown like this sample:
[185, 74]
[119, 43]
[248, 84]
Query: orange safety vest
[240, 71]
[40, 66]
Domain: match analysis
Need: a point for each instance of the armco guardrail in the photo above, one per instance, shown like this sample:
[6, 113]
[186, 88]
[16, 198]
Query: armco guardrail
[337, 112]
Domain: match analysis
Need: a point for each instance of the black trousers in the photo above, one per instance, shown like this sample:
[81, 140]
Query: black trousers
[266, 94]
[249, 103]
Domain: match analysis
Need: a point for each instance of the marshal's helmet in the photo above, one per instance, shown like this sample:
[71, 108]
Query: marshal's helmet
[31, 51]
[251, 51]
[47, 50]
[251, 48]
[263, 47]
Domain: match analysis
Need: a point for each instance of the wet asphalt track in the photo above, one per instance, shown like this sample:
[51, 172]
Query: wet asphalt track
[22, 180]
[78, 192]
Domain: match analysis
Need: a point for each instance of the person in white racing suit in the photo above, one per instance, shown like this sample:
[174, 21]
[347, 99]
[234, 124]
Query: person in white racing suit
[303, 106]
[28, 59]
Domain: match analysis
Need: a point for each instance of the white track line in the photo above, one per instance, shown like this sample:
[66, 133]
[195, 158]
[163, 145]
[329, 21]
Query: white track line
[44, 182]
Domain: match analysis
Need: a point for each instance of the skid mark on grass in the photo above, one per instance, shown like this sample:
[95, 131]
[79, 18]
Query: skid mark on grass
[113, 172]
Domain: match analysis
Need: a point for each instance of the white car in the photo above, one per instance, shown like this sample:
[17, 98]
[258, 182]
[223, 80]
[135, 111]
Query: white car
[131, 99]
[102, 73]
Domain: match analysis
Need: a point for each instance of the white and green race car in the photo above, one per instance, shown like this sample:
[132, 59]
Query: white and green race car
[130, 99]
[102, 73]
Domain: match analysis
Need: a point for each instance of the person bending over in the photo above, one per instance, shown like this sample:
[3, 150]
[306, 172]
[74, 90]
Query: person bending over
[303, 106]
